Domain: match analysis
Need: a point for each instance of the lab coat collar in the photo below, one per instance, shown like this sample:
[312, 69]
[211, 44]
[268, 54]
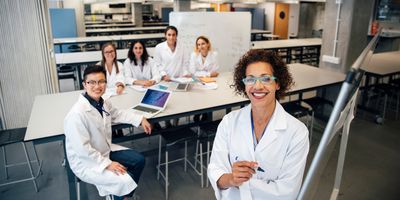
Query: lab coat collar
[280, 117]
[86, 106]
[277, 123]
[166, 47]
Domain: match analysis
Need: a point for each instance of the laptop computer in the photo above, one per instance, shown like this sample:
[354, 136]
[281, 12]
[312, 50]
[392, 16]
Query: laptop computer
[153, 102]
[182, 87]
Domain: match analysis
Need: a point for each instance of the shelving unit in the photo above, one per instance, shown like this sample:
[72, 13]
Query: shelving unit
[305, 51]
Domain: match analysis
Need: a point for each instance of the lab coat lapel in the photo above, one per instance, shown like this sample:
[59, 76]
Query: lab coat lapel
[277, 122]
[246, 135]
[94, 113]
[247, 141]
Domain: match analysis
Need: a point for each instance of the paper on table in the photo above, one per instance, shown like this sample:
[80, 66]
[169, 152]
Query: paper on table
[138, 88]
[182, 80]
[111, 92]
[206, 86]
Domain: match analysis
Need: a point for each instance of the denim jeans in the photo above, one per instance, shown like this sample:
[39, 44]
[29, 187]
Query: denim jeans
[133, 161]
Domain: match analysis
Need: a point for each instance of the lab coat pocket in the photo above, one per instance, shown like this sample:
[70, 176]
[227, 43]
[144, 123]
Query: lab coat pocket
[268, 173]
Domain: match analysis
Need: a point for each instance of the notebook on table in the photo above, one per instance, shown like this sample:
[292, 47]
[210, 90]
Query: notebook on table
[153, 102]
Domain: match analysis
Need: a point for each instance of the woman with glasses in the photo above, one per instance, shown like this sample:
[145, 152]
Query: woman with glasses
[113, 169]
[114, 69]
[259, 151]
[139, 68]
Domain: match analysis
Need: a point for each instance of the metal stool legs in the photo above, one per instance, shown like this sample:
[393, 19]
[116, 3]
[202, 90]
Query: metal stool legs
[28, 163]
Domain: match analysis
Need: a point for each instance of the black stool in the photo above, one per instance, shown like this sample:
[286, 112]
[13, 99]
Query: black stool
[208, 131]
[12, 136]
[172, 139]
[297, 110]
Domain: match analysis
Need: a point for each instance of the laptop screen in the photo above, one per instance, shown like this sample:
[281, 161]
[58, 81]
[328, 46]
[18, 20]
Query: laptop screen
[155, 97]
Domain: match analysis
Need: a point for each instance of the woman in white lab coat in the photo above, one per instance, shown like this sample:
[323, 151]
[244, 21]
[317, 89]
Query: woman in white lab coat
[203, 61]
[114, 68]
[140, 69]
[259, 151]
[113, 169]
[171, 57]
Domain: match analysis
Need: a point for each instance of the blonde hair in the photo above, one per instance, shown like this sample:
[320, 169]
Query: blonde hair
[205, 39]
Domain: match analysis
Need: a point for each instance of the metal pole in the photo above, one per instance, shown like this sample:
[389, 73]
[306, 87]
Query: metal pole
[344, 91]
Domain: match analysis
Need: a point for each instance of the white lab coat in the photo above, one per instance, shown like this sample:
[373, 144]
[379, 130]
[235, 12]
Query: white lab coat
[133, 72]
[113, 77]
[281, 153]
[88, 145]
[200, 69]
[174, 64]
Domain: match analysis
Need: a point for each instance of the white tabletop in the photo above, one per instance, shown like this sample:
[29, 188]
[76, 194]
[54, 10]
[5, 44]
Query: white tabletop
[108, 22]
[271, 44]
[81, 39]
[108, 25]
[384, 63]
[49, 111]
[306, 77]
[90, 56]
[110, 30]
[110, 38]
[137, 36]
[156, 23]
[259, 31]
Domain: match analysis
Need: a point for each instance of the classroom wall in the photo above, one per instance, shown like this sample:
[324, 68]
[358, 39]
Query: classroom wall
[158, 7]
[311, 18]
[269, 9]
[79, 15]
[294, 18]
[199, 6]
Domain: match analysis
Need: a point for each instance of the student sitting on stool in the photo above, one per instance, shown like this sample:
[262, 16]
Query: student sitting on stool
[113, 169]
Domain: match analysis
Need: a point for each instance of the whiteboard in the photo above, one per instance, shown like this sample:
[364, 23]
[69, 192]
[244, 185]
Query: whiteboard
[229, 33]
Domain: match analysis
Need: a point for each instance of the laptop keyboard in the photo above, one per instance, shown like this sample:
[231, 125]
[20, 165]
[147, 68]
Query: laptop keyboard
[145, 109]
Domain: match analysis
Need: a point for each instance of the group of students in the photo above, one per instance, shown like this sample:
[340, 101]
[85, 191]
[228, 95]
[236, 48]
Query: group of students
[259, 151]
[169, 61]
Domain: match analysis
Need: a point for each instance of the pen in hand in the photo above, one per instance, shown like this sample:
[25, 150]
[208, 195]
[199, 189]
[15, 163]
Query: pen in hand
[258, 167]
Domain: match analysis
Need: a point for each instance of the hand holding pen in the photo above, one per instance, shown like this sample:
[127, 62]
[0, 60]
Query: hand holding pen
[242, 171]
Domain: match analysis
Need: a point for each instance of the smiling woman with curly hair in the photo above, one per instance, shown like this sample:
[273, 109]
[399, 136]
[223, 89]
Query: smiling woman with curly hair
[279, 69]
[259, 151]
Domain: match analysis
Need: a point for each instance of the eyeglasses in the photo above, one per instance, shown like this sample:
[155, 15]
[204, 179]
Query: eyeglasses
[265, 80]
[94, 83]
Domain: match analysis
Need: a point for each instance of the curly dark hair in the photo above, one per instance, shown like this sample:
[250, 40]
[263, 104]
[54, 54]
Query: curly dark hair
[279, 69]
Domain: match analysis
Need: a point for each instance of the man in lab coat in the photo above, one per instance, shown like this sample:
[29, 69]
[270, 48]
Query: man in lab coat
[259, 151]
[113, 169]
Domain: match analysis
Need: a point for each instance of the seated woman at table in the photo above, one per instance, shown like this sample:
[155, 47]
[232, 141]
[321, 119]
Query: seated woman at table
[139, 68]
[203, 61]
[114, 68]
[259, 151]
[171, 57]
